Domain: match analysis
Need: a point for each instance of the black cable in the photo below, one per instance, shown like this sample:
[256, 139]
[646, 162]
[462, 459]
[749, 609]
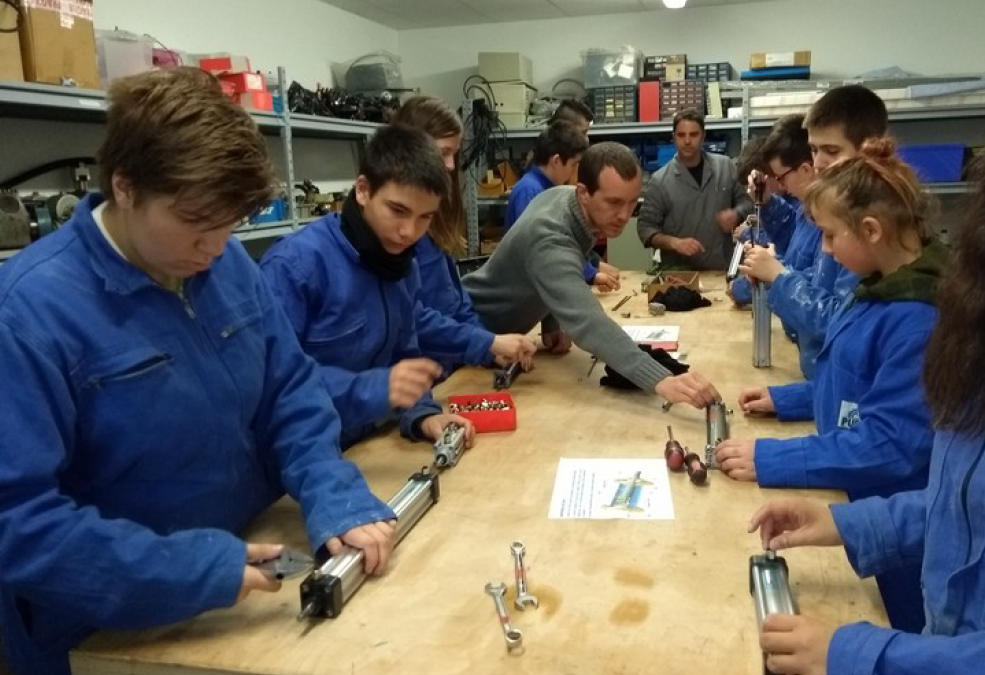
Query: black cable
[24, 176]
[18, 10]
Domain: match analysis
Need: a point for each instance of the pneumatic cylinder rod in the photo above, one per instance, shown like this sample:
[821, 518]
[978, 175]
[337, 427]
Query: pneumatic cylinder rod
[329, 587]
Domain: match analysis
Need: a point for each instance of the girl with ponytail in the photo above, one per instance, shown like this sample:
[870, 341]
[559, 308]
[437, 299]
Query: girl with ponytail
[941, 525]
[873, 421]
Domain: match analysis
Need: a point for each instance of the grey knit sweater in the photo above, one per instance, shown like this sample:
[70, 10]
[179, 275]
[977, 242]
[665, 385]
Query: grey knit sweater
[535, 274]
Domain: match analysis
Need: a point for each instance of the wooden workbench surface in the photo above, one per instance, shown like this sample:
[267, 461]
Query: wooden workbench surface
[615, 596]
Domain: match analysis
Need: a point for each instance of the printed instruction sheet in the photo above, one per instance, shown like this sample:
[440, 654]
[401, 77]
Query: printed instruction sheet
[600, 489]
[665, 337]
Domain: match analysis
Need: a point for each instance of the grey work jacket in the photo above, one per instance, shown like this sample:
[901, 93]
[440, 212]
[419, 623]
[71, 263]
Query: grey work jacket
[674, 204]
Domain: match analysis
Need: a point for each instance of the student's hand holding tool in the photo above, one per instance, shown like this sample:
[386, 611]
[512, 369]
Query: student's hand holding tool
[433, 427]
[687, 246]
[796, 645]
[606, 282]
[728, 220]
[557, 342]
[253, 578]
[772, 185]
[737, 459]
[410, 379]
[375, 540]
[514, 347]
[756, 400]
[761, 263]
[689, 388]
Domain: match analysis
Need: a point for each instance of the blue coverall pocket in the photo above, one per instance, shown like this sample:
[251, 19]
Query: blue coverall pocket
[346, 345]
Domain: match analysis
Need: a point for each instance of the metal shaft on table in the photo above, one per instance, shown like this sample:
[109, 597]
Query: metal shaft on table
[328, 588]
[761, 326]
[716, 427]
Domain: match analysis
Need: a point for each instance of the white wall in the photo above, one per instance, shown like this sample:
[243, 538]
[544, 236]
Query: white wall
[304, 36]
[846, 38]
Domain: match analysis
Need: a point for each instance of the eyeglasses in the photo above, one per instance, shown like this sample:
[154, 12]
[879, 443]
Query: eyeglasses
[779, 179]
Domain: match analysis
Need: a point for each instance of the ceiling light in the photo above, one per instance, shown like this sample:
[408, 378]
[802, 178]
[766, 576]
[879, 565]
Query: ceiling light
[674, 4]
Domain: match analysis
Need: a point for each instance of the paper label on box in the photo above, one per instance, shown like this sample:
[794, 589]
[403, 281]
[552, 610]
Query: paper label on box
[779, 59]
[67, 9]
[627, 71]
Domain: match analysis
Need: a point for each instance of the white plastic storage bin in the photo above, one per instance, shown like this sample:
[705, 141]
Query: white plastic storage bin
[611, 68]
[122, 53]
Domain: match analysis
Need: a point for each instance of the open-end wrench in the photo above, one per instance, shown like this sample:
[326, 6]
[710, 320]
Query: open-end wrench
[514, 638]
[522, 597]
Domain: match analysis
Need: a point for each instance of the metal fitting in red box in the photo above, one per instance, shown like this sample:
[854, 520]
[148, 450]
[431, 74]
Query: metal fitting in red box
[503, 419]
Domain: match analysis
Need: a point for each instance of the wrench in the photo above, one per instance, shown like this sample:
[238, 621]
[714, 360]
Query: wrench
[522, 597]
[514, 638]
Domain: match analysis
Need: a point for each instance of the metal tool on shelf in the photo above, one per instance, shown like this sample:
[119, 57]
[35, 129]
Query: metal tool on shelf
[326, 590]
[717, 429]
[769, 584]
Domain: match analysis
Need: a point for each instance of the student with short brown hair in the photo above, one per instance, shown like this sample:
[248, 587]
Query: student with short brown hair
[159, 399]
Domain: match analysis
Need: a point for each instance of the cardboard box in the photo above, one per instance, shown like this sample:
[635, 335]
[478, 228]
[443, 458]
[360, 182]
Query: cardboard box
[506, 67]
[11, 66]
[779, 60]
[668, 68]
[666, 280]
[58, 42]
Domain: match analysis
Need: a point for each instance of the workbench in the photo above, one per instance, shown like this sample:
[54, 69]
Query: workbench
[616, 596]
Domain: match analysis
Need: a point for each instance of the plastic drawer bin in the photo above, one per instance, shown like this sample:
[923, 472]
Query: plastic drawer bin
[935, 163]
[488, 420]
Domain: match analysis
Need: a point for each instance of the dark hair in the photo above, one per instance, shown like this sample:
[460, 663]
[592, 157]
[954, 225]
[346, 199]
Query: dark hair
[406, 156]
[788, 143]
[572, 110]
[751, 158]
[560, 138]
[602, 155]
[690, 115]
[857, 110]
[437, 120]
[874, 183]
[955, 356]
[174, 133]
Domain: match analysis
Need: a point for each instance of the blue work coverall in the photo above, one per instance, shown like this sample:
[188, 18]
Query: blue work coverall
[873, 422]
[357, 326]
[942, 526]
[141, 430]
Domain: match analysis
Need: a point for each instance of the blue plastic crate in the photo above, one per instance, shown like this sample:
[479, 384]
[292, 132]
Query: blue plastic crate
[274, 211]
[938, 163]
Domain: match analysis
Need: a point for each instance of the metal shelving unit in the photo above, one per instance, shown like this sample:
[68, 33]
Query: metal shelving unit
[69, 104]
[743, 91]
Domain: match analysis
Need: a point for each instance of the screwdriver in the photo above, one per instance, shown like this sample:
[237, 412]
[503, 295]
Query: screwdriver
[696, 469]
[674, 453]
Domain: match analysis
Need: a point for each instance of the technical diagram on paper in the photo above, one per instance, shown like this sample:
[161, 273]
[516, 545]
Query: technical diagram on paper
[602, 489]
